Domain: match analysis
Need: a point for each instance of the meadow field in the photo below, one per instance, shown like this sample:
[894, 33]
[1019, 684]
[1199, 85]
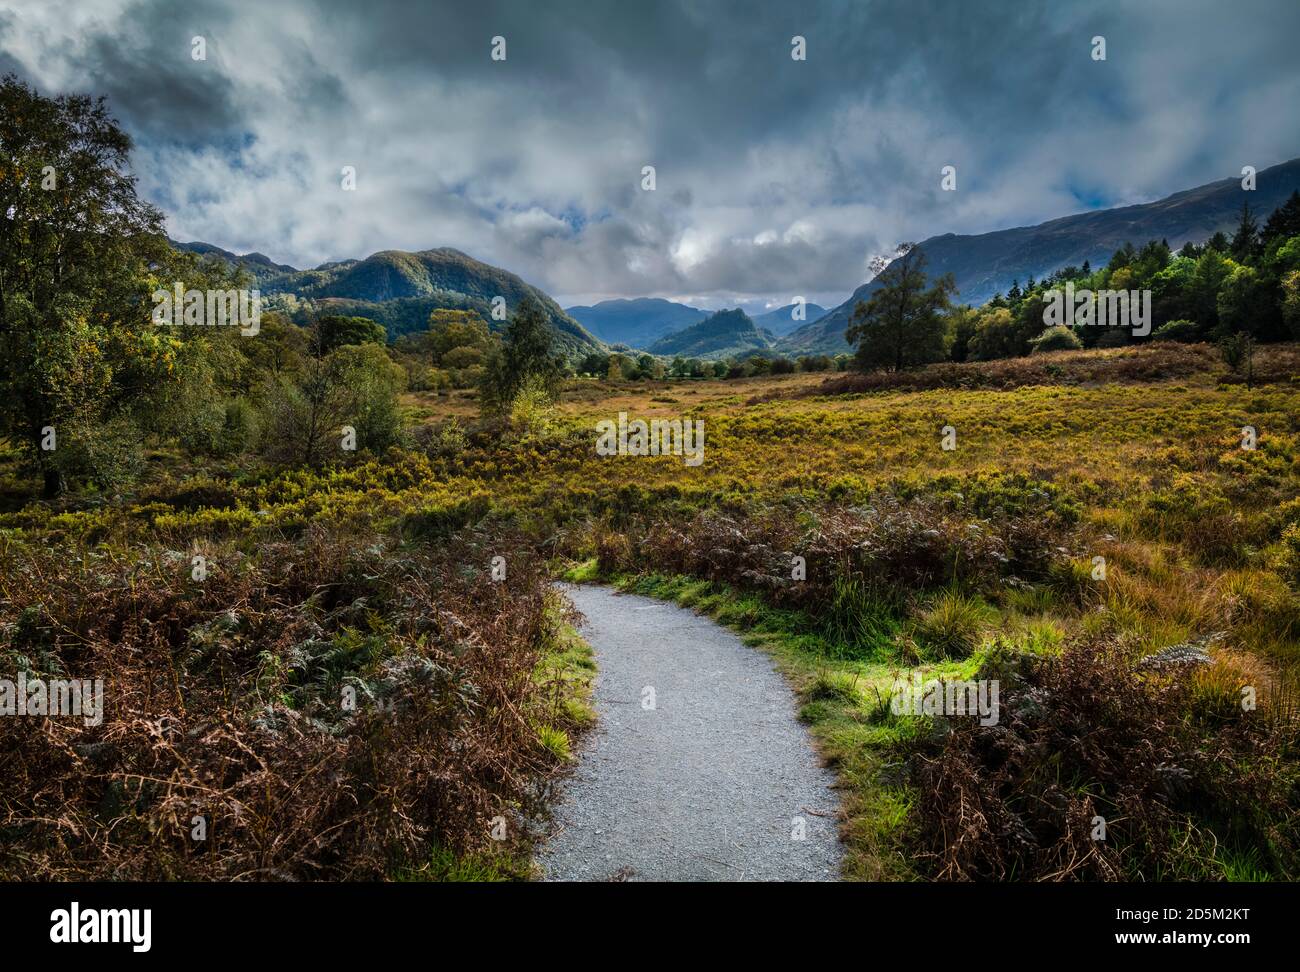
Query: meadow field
[1092, 511]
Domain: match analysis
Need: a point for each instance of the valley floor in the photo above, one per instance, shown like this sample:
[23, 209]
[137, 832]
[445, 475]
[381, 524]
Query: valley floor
[1096, 509]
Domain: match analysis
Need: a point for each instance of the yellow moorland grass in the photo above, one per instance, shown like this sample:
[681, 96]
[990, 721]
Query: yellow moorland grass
[1182, 515]
[1190, 524]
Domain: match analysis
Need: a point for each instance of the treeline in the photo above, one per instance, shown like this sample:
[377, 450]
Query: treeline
[617, 366]
[1232, 290]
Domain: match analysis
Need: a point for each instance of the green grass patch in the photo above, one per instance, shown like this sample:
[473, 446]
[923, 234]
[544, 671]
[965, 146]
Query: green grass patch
[444, 865]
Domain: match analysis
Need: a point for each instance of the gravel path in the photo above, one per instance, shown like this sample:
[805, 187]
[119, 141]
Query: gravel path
[710, 784]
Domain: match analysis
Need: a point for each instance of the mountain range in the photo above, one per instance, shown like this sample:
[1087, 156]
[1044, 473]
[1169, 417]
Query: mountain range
[987, 263]
[640, 322]
[400, 288]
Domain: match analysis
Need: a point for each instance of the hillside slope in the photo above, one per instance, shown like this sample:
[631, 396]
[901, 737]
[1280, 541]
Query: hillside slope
[400, 288]
[726, 333]
[781, 321]
[638, 322]
[986, 264]
[258, 265]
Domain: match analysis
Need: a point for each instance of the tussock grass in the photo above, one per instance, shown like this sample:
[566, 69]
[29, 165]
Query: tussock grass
[953, 625]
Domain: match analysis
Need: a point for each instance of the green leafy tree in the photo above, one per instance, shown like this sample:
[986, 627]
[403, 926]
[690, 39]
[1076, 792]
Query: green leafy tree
[281, 347]
[996, 335]
[817, 362]
[594, 363]
[1150, 260]
[1170, 291]
[904, 324]
[356, 386]
[1122, 257]
[648, 366]
[1029, 323]
[1284, 255]
[1245, 303]
[451, 353]
[617, 368]
[961, 328]
[1291, 302]
[527, 351]
[458, 330]
[336, 331]
[81, 363]
[1203, 288]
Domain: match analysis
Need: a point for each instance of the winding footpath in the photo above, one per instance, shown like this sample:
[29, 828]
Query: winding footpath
[718, 781]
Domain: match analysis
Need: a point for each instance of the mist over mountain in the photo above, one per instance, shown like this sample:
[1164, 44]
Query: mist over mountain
[987, 263]
[399, 288]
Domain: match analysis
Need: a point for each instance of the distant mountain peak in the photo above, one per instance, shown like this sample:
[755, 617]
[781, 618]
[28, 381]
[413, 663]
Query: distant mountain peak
[635, 321]
[782, 320]
[720, 335]
[399, 288]
[258, 264]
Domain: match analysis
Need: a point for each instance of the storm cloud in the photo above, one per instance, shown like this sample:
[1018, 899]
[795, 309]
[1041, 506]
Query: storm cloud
[774, 177]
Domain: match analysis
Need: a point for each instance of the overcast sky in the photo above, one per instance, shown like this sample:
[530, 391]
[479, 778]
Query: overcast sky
[775, 177]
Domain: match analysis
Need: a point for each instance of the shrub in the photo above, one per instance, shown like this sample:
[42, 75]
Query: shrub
[1288, 560]
[355, 385]
[106, 455]
[1237, 350]
[240, 428]
[331, 706]
[1073, 580]
[447, 440]
[1182, 330]
[1085, 734]
[531, 410]
[1139, 363]
[1058, 338]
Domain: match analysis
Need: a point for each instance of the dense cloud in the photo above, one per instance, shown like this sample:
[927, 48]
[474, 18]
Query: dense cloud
[774, 177]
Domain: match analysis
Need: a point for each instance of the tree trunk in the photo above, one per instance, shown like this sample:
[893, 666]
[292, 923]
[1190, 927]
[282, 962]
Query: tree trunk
[54, 483]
